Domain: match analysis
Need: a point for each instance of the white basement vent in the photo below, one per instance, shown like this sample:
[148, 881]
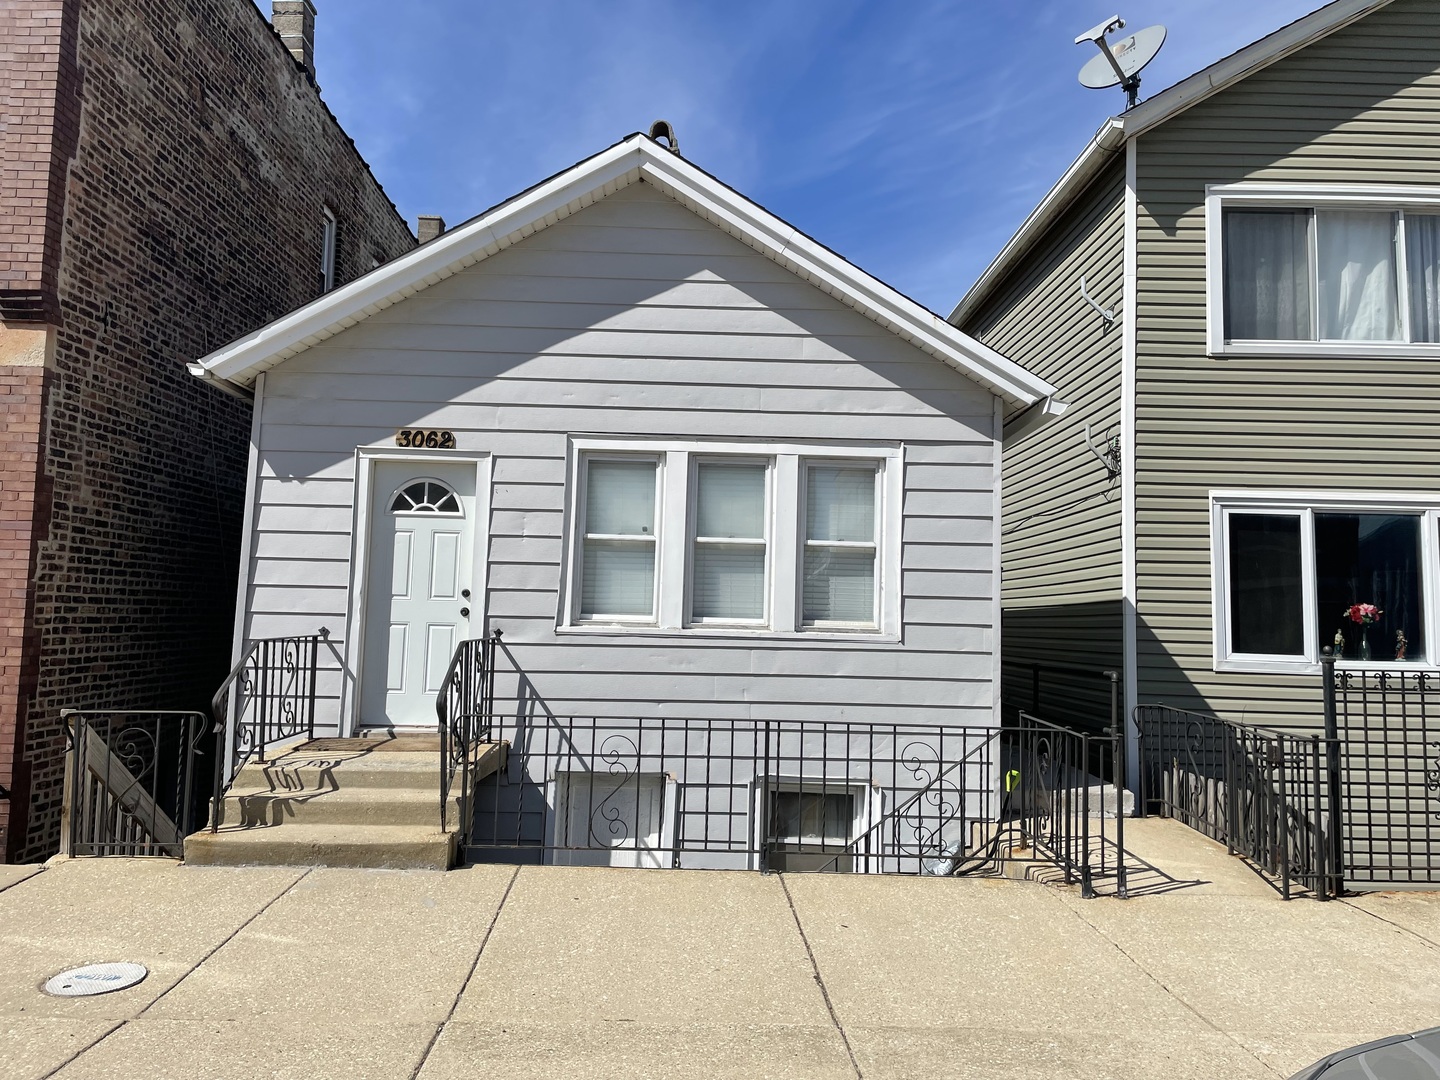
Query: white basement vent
[95, 979]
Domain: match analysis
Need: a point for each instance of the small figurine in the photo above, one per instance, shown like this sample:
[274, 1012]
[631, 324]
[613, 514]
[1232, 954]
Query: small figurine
[1400, 644]
[1339, 643]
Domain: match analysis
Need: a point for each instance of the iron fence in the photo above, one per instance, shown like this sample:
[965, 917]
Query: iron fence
[1389, 778]
[1264, 792]
[270, 694]
[131, 783]
[465, 709]
[834, 796]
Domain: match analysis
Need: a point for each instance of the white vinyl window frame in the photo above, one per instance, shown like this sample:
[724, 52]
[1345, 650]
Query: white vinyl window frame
[693, 539]
[329, 230]
[1304, 505]
[785, 535]
[656, 540]
[806, 543]
[1283, 196]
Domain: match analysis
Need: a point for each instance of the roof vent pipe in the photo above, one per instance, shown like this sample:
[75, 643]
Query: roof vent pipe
[662, 130]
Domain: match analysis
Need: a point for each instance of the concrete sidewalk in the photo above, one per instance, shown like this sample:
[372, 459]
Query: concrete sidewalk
[560, 972]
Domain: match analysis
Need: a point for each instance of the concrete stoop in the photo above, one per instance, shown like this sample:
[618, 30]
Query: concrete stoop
[341, 802]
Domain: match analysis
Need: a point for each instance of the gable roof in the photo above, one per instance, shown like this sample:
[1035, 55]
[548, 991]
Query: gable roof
[1110, 140]
[636, 159]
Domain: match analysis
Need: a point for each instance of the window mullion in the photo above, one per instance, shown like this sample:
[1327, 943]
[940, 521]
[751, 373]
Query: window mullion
[786, 547]
[1313, 260]
[1307, 584]
[1402, 275]
[672, 543]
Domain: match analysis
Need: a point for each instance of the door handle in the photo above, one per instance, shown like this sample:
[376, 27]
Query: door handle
[465, 593]
[464, 612]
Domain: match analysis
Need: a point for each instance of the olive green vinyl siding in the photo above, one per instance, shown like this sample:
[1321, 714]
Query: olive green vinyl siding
[1060, 539]
[1359, 106]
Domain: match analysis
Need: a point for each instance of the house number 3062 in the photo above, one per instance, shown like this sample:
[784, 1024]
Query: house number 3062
[426, 438]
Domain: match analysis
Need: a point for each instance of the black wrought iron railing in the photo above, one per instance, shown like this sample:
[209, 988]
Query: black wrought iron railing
[133, 781]
[465, 708]
[269, 697]
[790, 796]
[1262, 791]
[1387, 779]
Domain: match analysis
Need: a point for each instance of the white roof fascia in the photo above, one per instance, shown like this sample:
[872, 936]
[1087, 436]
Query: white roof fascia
[1176, 99]
[637, 157]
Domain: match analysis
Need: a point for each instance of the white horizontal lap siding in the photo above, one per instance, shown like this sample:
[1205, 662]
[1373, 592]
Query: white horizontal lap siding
[635, 318]
[1361, 106]
[1061, 519]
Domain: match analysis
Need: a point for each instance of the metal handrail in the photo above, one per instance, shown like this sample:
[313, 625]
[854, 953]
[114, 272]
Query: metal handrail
[275, 682]
[464, 710]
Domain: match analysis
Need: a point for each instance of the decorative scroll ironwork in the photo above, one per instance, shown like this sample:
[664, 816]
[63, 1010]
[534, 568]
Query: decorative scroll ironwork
[131, 787]
[464, 708]
[268, 697]
[1261, 791]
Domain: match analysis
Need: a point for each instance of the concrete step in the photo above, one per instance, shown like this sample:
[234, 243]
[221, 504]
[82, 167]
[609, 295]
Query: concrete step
[391, 847]
[308, 769]
[419, 805]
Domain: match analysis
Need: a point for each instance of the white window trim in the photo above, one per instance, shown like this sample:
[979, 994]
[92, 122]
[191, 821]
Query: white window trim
[1219, 197]
[327, 248]
[784, 542]
[1304, 504]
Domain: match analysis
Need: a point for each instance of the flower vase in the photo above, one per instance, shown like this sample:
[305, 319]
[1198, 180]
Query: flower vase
[1364, 644]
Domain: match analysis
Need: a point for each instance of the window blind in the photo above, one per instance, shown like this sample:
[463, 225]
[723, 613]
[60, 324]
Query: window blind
[838, 576]
[617, 574]
[728, 575]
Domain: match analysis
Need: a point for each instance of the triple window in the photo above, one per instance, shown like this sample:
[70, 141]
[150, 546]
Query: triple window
[1335, 272]
[1295, 576]
[707, 536]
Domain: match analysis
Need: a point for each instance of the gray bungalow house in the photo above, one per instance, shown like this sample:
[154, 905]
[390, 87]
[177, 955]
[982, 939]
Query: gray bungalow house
[694, 467]
[1237, 287]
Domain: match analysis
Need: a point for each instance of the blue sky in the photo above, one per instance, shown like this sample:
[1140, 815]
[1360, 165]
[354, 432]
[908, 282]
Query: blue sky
[911, 137]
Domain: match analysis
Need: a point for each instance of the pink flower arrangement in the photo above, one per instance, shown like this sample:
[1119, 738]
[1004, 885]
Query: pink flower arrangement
[1364, 614]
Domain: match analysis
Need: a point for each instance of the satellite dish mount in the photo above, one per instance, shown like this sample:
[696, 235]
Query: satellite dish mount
[1121, 60]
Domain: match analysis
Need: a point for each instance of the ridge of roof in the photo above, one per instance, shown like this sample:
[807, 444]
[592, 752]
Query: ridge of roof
[637, 158]
[1116, 131]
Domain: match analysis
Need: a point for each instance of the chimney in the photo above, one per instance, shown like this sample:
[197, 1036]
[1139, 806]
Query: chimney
[294, 21]
[428, 227]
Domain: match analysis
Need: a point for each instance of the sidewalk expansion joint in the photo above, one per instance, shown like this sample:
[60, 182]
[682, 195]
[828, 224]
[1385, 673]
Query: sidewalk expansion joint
[1077, 912]
[228, 938]
[474, 964]
[819, 981]
[1427, 942]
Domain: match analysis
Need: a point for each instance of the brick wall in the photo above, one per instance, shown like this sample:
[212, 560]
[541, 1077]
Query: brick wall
[192, 214]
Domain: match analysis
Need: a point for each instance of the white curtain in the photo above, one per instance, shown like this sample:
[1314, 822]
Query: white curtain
[1422, 267]
[839, 570]
[728, 580]
[1355, 252]
[1267, 275]
[617, 576]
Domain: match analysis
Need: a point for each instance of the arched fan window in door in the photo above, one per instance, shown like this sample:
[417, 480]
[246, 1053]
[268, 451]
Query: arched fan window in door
[425, 497]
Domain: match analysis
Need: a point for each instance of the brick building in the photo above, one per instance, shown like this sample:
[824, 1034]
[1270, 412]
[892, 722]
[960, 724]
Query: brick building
[170, 179]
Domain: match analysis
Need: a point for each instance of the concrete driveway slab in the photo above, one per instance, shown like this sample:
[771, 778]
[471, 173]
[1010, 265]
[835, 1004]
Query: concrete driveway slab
[1007, 1054]
[14, 873]
[1418, 912]
[587, 945]
[947, 953]
[32, 1046]
[150, 911]
[278, 1049]
[1263, 965]
[366, 945]
[624, 1051]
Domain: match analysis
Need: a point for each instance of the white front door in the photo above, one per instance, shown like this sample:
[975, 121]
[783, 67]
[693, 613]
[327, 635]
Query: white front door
[420, 603]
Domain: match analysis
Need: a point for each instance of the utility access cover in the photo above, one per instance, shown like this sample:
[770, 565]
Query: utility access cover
[95, 979]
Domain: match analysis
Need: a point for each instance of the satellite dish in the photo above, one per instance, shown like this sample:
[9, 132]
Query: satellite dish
[1121, 59]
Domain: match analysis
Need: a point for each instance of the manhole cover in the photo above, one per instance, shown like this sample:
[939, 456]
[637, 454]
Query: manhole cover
[95, 979]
